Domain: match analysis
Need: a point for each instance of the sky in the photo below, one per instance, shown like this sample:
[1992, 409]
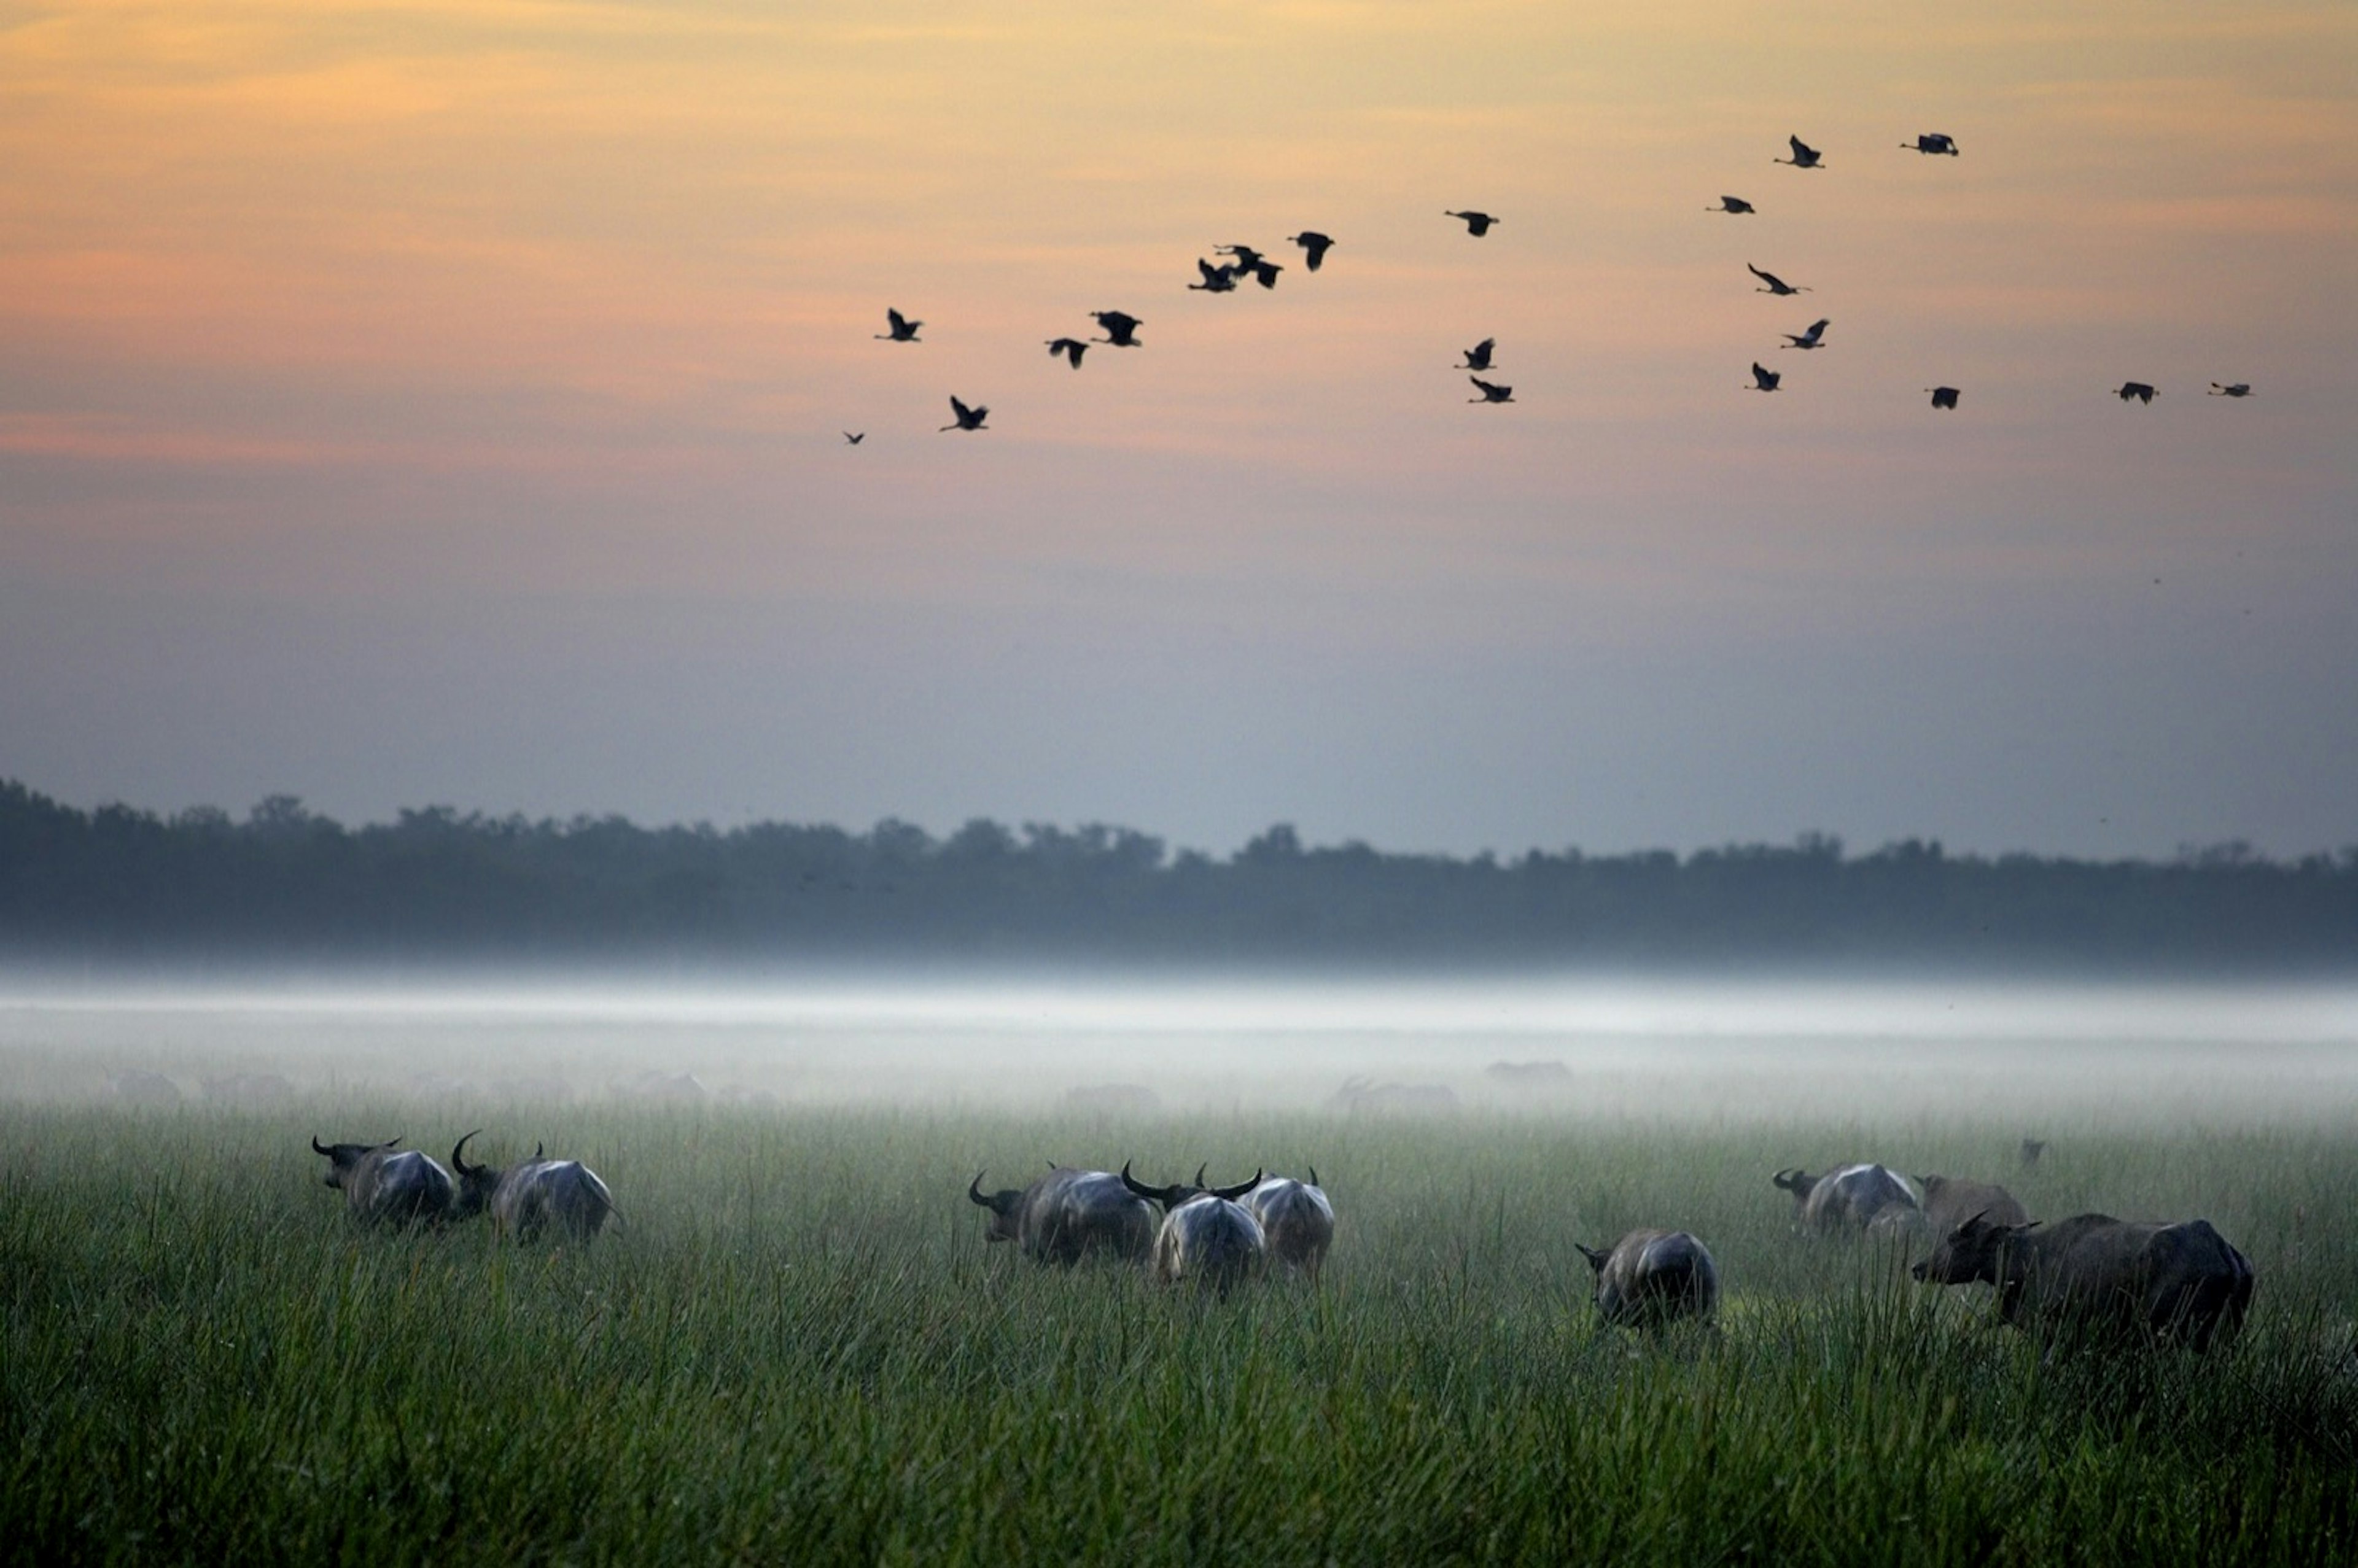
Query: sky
[443, 404]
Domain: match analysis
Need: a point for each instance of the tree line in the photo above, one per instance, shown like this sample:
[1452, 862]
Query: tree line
[286, 883]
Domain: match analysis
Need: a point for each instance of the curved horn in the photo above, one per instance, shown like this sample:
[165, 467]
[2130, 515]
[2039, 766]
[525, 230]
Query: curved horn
[1199, 1174]
[974, 1191]
[1792, 1179]
[458, 1156]
[1314, 1177]
[537, 1148]
[1239, 1190]
[1595, 1259]
[330, 1153]
[391, 1141]
[1139, 1189]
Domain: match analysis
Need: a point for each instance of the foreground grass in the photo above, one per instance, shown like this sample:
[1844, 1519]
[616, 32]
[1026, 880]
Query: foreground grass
[799, 1349]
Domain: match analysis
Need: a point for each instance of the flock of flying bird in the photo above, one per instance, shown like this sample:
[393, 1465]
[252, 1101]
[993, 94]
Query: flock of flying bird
[1249, 263]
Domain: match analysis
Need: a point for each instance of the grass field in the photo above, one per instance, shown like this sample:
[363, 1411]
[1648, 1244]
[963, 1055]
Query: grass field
[799, 1349]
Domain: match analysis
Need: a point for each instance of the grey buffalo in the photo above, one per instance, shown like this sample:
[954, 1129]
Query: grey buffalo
[1851, 1198]
[2102, 1276]
[527, 1198]
[1296, 1221]
[1653, 1277]
[1207, 1239]
[1949, 1202]
[1068, 1215]
[385, 1185]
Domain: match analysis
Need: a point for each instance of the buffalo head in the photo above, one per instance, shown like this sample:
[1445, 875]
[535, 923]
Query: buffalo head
[1974, 1250]
[343, 1157]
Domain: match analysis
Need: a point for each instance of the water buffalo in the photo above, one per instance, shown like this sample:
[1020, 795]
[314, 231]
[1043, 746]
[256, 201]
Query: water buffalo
[1296, 1221]
[1849, 1198]
[1066, 1214]
[2096, 1274]
[1949, 1203]
[1653, 1277]
[383, 1185]
[527, 1199]
[142, 1087]
[1366, 1096]
[1207, 1239]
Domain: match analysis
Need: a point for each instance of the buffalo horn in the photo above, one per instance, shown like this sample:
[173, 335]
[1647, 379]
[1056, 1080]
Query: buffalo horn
[316, 1150]
[1232, 1193]
[1314, 1177]
[458, 1156]
[974, 1191]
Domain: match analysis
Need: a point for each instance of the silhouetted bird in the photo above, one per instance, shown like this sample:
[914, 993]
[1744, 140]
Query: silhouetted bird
[1121, 329]
[968, 418]
[1216, 279]
[2135, 389]
[1933, 144]
[1477, 223]
[1478, 356]
[1491, 393]
[1315, 244]
[1763, 378]
[1943, 397]
[1775, 284]
[2232, 389]
[1804, 155]
[1246, 257]
[1731, 205]
[855, 439]
[1071, 348]
[1265, 274]
[1812, 338]
[904, 329]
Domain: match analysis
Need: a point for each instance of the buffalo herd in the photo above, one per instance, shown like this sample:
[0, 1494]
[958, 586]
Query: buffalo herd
[2089, 1275]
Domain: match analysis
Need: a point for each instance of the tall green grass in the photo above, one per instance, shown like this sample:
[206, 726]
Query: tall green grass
[798, 1347]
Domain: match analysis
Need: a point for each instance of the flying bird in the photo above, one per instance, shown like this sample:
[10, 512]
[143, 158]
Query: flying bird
[1775, 284]
[1246, 257]
[1731, 205]
[1316, 243]
[904, 329]
[852, 439]
[1265, 273]
[1121, 329]
[1477, 223]
[1933, 144]
[1763, 378]
[968, 418]
[1491, 393]
[1943, 397]
[1804, 155]
[1812, 338]
[2232, 389]
[1216, 279]
[1071, 348]
[2135, 389]
[1478, 356]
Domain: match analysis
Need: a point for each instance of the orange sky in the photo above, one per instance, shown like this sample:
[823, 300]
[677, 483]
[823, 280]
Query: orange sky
[429, 312]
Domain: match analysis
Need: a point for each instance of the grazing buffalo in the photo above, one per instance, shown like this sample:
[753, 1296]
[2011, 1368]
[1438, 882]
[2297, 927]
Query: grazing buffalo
[385, 1185]
[1296, 1221]
[142, 1087]
[1068, 1215]
[527, 1199]
[1849, 1198]
[1207, 1238]
[1654, 1277]
[1366, 1096]
[1949, 1203]
[2102, 1276]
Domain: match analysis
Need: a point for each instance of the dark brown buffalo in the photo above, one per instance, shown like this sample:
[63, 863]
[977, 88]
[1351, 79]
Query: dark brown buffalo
[528, 1197]
[1068, 1215]
[1950, 1201]
[2093, 1273]
[1653, 1277]
[1850, 1199]
[385, 1185]
[1206, 1237]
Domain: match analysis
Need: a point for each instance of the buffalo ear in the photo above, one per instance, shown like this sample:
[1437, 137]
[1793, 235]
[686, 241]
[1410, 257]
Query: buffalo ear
[1595, 1259]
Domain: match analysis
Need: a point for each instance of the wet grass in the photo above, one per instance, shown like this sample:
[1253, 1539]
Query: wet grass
[799, 1349]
